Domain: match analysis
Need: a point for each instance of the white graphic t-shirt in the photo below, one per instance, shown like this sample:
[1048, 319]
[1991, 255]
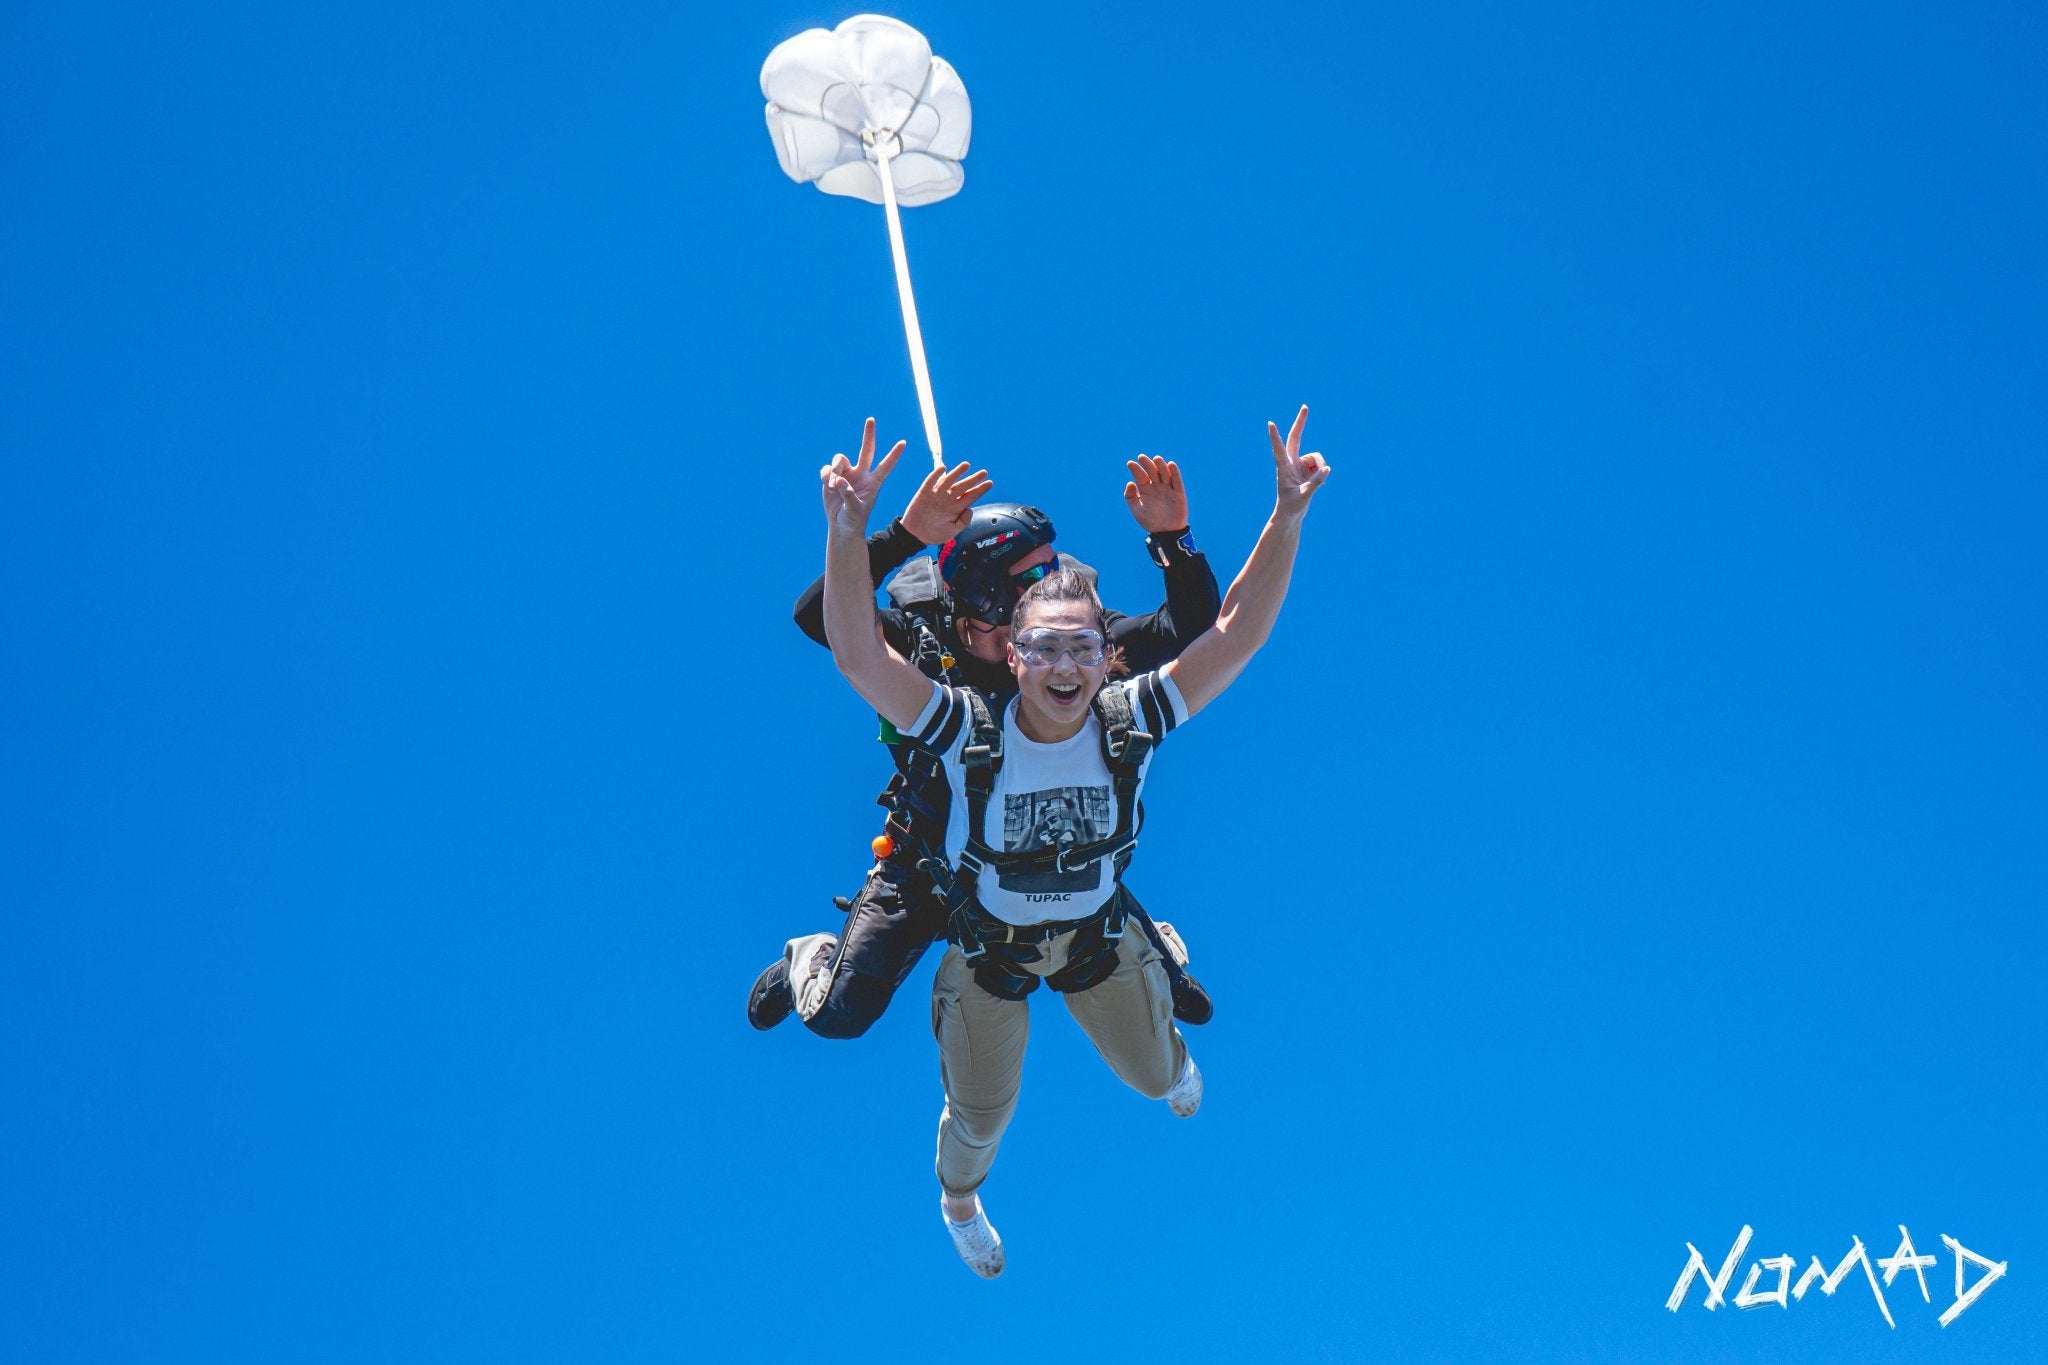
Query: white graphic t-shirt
[1046, 795]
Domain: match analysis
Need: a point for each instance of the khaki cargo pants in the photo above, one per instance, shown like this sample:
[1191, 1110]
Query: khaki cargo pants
[1128, 1016]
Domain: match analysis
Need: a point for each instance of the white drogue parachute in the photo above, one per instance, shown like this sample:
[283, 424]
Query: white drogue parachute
[866, 111]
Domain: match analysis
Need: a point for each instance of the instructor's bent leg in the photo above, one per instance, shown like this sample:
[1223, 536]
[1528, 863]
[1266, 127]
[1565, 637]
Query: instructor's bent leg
[892, 920]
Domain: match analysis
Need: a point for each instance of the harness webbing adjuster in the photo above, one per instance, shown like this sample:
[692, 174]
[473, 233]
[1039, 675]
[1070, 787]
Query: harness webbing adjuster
[1096, 853]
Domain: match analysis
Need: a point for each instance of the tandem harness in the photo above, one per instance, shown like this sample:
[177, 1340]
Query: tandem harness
[994, 948]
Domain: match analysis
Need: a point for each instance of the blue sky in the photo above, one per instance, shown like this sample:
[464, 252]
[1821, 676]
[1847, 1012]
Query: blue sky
[1635, 829]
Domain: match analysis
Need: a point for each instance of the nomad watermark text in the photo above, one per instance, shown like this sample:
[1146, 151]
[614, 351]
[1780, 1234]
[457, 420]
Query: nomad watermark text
[1905, 1258]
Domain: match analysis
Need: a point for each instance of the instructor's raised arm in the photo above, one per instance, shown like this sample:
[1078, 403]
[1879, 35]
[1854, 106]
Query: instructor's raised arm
[896, 690]
[1214, 660]
[1159, 504]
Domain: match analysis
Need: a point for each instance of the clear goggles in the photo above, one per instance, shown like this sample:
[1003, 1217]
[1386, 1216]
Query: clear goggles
[1042, 648]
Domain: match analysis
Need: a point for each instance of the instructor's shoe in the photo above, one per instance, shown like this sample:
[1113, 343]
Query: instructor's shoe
[975, 1240]
[1186, 1096]
[1191, 1004]
[770, 1002]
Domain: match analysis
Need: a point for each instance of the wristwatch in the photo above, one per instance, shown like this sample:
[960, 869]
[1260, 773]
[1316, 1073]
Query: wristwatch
[1169, 547]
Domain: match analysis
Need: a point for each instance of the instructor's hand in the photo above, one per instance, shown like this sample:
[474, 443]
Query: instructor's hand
[1157, 500]
[1296, 477]
[849, 488]
[944, 503]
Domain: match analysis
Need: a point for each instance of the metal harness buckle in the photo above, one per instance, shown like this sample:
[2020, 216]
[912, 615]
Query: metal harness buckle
[1060, 863]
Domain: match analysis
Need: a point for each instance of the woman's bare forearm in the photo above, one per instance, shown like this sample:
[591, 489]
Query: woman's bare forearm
[1252, 605]
[1245, 623]
[882, 677]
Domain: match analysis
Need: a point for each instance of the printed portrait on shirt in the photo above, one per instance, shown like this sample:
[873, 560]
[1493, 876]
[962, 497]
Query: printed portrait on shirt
[1061, 817]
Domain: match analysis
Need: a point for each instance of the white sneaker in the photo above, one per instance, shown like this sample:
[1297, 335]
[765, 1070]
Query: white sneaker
[809, 960]
[1186, 1096]
[976, 1241]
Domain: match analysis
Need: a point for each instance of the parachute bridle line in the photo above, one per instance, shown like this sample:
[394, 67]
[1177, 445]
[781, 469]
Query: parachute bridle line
[884, 146]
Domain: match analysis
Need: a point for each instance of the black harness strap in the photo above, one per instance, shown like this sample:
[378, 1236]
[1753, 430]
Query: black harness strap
[916, 795]
[981, 759]
[1126, 747]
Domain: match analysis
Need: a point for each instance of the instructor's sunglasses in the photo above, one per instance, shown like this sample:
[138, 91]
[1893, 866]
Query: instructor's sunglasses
[1042, 648]
[1021, 581]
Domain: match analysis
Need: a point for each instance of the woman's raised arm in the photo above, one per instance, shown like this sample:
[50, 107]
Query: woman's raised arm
[886, 680]
[1218, 655]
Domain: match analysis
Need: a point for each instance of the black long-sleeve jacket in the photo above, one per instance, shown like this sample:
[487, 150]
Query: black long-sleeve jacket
[1192, 601]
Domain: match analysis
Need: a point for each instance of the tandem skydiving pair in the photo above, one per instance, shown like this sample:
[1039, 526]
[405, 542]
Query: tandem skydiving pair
[950, 616]
[1023, 717]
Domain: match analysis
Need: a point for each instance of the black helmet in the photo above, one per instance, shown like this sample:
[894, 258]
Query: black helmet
[976, 563]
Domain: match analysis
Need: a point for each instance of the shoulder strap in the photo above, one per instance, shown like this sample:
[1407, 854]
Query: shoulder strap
[1125, 748]
[1124, 745]
[980, 760]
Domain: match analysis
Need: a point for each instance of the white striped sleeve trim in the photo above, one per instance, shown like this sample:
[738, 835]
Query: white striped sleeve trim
[938, 726]
[1157, 703]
